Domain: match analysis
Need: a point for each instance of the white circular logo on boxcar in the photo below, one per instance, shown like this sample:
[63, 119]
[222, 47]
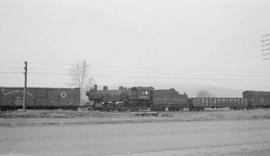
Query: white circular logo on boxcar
[63, 94]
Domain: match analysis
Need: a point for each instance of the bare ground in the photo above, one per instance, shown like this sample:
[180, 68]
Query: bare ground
[221, 138]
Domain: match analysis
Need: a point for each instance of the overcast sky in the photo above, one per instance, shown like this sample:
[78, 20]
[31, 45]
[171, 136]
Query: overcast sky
[136, 42]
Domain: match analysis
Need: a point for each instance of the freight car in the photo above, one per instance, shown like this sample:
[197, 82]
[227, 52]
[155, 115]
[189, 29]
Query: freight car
[136, 98]
[257, 99]
[11, 98]
[214, 102]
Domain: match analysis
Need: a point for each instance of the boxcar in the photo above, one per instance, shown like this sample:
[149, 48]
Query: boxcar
[40, 98]
[169, 99]
[257, 99]
[233, 103]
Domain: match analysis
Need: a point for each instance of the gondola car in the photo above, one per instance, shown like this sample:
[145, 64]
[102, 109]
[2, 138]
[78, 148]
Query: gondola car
[214, 102]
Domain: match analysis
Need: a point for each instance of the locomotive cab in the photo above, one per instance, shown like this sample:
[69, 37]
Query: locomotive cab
[143, 93]
[140, 98]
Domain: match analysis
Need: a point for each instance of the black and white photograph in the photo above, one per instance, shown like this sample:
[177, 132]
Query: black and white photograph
[134, 77]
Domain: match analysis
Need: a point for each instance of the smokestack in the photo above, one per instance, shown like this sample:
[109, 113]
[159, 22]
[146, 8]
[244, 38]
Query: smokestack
[105, 88]
[121, 88]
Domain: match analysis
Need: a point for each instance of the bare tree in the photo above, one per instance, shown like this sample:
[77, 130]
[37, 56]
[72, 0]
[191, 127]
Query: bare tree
[80, 78]
[203, 93]
[90, 81]
[79, 74]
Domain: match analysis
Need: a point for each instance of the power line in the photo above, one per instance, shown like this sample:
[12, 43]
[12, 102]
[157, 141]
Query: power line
[113, 70]
[8, 67]
[141, 74]
[10, 61]
[265, 35]
[150, 76]
[125, 68]
[40, 63]
[266, 59]
[11, 72]
[266, 44]
[44, 73]
[133, 73]
[176, 71]
[245, 75]
[266, 53]
[182, 77]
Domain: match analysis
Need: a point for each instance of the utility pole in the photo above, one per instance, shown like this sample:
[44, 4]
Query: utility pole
[25, 85]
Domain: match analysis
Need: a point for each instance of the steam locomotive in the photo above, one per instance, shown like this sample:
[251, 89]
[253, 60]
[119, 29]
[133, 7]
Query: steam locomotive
[136, 98]
[148, 98]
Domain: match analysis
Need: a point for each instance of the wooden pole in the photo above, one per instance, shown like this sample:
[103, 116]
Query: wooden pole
[25, 86]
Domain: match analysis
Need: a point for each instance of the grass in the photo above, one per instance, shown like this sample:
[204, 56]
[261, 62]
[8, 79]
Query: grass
[63, 117]
[57, 114]
[225, 115]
